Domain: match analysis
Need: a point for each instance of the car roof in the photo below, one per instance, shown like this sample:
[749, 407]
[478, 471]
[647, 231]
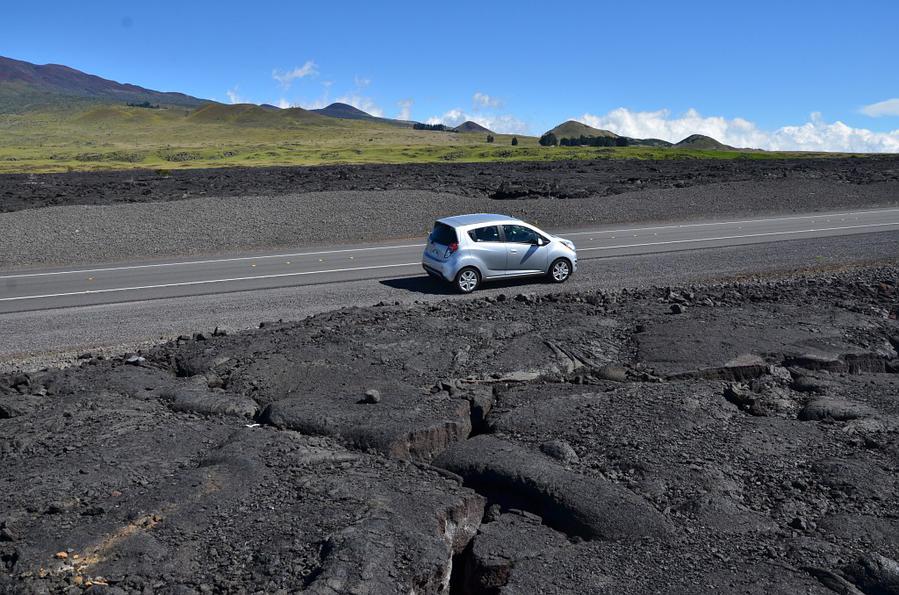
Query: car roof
[477, 219]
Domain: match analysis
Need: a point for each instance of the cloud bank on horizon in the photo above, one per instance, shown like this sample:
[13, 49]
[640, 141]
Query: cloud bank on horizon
[814, 135]
[483, 112]
[501, 123]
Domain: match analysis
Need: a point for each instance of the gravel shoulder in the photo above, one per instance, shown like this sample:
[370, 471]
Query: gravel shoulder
[91, 234]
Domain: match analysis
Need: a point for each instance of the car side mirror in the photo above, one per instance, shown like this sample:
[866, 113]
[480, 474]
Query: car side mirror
[537, 241]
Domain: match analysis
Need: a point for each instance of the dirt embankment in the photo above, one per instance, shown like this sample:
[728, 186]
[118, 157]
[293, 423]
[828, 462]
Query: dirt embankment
[557, 179]
[704, 439]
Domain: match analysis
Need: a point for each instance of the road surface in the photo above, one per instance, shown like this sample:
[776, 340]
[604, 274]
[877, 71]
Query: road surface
[128, 282]
[38, 331]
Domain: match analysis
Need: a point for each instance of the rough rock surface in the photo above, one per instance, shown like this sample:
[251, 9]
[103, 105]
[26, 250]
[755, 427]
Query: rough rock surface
[513, 180]
[573, 442]
[583, 506]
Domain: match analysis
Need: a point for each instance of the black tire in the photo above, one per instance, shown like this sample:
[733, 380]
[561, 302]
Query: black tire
[559, 270]
[467, 280]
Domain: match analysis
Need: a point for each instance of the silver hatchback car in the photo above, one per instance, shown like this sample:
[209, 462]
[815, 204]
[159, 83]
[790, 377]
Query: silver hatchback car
[467, 249]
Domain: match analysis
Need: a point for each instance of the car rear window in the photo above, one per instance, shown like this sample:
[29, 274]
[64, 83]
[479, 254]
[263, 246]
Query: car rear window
[485, 234]
[443, 234]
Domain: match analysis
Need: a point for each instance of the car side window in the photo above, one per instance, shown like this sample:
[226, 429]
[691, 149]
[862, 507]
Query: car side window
[518, 234]
[485, 234]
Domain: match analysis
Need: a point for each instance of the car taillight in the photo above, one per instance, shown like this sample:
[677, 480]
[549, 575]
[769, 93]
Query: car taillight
[453, 247]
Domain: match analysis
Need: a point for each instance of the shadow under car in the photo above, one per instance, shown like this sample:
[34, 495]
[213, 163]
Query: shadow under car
[426, 284]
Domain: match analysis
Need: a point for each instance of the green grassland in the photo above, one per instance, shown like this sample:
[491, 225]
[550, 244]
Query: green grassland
[102, 137]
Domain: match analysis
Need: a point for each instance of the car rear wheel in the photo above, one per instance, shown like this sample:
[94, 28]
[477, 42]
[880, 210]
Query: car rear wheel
[468, 280]
[559, 270]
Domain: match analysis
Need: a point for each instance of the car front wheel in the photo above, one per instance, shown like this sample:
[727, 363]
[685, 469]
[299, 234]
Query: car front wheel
[468, 280]
[560, 270]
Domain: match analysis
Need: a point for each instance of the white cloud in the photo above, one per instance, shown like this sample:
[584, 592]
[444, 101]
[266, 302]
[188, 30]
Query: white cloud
[454, 117]
[286, 78]
[366, 104]
[233, 96]
[483, 100]
[361, 82]
[405, 112]
[890, 107]
[322, 101]
[814, 135]
[314, 104]
[284, 104]
[501, 123]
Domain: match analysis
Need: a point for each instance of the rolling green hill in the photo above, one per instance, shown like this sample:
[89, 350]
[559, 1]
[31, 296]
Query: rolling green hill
[469, 126]
[249, 115]
[705, 143]
[574, 129]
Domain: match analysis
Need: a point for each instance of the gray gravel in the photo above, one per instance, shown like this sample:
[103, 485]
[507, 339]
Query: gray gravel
[32, 340]
[86, 234]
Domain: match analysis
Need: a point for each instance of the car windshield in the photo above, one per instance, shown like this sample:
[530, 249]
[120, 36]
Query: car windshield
[443, 234]
[519, 234]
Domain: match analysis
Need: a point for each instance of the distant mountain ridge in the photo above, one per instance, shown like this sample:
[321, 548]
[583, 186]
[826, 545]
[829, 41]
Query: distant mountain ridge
[25, 86]
[469, 126]
[344, 111]
[701, 141]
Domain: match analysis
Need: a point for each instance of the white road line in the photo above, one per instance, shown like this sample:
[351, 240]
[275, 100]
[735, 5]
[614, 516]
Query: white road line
[745, 221]
[748, 235]
[210, 261]
[205, 282]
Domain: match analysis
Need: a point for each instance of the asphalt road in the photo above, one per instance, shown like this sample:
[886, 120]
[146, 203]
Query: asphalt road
[44, 331]
[86, 286]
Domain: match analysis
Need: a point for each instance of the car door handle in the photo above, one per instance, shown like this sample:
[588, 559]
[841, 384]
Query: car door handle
[513, 251]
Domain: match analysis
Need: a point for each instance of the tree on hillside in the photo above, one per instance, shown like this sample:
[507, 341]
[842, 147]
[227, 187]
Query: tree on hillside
[594, 141]
[144, 104]
[514, 140]
[420, 126]
[490, 138]
[549, 140]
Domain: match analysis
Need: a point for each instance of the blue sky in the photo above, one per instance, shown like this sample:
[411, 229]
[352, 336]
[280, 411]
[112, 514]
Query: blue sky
[748, 71]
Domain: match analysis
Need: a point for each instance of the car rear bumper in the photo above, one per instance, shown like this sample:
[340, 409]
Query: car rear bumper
[436, 272]
[436, 268]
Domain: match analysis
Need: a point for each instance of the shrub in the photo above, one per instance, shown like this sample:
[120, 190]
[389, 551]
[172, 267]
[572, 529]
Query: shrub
[144, 104]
